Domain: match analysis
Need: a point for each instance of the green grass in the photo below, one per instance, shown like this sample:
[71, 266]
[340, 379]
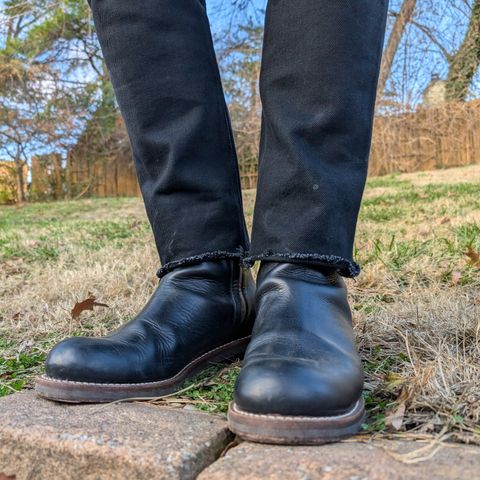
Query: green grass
[414, 231]
[387, 181]
[212, 390]
[42, 232]
[17, 372]
[392, 216]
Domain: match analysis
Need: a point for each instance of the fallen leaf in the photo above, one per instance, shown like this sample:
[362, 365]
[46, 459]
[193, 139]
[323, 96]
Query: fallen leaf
[473, 256]
[456, 276]
[395, 419]
[7, 477]
[441, 221]
[86, 304]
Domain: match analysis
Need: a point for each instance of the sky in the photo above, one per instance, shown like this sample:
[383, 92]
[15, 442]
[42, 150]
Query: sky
[417, 60]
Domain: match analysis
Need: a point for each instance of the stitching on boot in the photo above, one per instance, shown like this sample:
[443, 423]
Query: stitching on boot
[345, 267]
[289, 418]
[177, 375]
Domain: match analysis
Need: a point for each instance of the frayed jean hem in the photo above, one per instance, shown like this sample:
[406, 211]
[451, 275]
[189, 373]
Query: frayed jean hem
[195, 259]
[345, 267]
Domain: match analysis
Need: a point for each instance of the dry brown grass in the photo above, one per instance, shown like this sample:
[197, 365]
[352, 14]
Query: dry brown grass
[416, 304]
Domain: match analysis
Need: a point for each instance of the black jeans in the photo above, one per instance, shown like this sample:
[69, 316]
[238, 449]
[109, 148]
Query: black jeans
[318, 82]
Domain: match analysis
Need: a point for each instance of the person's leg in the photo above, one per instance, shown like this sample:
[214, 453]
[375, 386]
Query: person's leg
[162, 65]
[302, 377]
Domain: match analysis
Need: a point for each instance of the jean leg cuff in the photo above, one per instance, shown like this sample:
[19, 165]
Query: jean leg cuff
[346, 268]
[194, 259]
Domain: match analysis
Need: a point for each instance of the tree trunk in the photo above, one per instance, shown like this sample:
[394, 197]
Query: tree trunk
[402, 20]
[464, 64]
[20, 182]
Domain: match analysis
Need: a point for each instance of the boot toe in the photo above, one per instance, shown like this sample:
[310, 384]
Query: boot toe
[298, 387]
[78, 359]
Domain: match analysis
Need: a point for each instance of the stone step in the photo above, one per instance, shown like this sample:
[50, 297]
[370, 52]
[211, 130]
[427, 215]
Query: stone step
[349, 460]
[40, 440]
[46, 440]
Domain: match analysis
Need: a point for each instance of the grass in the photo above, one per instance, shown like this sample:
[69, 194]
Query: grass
[416, 304]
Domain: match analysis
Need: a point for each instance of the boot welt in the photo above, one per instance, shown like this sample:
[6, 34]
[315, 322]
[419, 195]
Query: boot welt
[295, 430]
[88, 392]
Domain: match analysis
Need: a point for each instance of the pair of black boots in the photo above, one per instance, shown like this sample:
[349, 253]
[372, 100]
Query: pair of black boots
[301, 381]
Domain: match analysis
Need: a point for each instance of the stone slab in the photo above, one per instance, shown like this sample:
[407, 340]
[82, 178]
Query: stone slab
[40, 440]
[351, 460]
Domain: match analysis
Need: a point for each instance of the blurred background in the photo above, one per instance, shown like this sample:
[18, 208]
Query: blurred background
[61, 135]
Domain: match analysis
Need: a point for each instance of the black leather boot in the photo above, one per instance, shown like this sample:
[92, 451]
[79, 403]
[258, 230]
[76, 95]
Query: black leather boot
[302, 378]
[200, 314]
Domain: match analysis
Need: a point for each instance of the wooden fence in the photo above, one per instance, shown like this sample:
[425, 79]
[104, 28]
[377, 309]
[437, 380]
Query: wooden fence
[104, 177]
[429, 138]
[102, 168]
[48, 177]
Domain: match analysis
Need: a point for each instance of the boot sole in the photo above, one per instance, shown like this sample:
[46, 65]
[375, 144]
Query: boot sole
[86, 392]
[295, 430]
